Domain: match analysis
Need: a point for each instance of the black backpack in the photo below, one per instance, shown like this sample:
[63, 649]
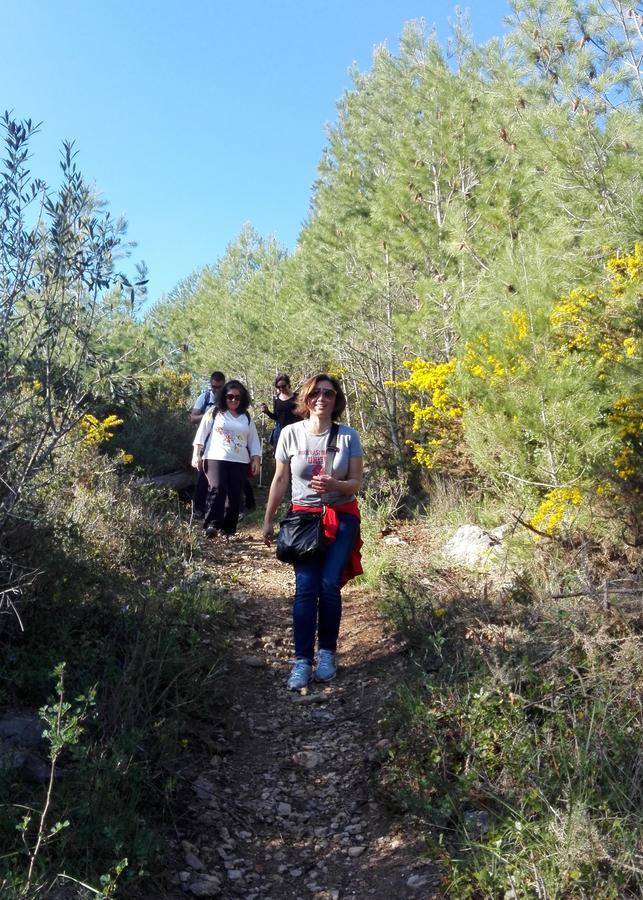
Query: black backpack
[209, 401]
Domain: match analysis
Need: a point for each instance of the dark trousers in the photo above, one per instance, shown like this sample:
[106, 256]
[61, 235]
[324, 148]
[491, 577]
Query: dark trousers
[200, 496]
[224, 497]
[249, 495]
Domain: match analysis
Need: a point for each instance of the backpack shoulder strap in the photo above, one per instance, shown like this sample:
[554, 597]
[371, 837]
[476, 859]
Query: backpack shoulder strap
[204, 404]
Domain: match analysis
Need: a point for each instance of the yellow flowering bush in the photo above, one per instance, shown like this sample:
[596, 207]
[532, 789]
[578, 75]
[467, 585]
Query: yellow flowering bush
[482, 364]
[97, 432]
[157, 432]
[555, 508]
[625, 270]
[544, 393]
[602, 321]
[437, 413]
[626, 417]
[508, 361]
[631, 346]
[570, 316]
[519, 322]
[167, 388]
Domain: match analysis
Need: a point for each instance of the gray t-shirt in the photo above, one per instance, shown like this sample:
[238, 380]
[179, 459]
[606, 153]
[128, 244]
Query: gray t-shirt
[306, 455]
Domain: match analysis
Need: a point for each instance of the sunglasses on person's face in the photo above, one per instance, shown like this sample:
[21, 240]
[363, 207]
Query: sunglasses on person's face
[281, 386]
[233, 397]
[327, 393]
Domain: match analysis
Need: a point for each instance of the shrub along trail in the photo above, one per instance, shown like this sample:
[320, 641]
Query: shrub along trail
[280, 795]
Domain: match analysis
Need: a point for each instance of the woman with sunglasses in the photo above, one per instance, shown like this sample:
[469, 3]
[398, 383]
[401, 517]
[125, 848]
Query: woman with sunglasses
[284, 404]
[301, 455]
[228, 439]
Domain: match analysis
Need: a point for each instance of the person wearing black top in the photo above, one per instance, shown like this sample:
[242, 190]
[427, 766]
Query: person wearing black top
[284, 405]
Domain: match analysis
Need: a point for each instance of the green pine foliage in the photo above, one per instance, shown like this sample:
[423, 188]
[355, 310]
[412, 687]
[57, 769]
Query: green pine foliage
[471, 268]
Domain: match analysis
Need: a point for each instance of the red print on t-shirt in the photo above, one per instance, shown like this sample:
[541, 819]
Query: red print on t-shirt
[316, 459]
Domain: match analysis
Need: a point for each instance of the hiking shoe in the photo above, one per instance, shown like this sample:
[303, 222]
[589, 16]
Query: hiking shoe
[211, 531]
[326, 666]
[301, 674]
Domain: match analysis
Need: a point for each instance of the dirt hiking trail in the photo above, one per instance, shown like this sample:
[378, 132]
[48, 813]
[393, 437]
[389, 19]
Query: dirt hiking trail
[280, 797]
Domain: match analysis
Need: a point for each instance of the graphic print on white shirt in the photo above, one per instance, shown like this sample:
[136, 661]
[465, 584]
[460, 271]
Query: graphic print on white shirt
[228, 437]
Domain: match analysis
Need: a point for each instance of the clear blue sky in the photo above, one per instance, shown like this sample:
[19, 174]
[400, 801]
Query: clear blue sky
[193, 118]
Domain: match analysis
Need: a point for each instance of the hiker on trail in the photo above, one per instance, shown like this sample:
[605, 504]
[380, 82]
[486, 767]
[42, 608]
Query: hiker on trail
[203, 402]
[207, 398]
[301, 454]
[283, 405]
[225, 443]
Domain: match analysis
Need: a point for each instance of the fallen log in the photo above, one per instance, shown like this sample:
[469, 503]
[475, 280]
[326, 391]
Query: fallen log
[174, 481]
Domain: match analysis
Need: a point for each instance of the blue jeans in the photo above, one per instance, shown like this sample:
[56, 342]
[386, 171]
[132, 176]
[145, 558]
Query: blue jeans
[318, 601]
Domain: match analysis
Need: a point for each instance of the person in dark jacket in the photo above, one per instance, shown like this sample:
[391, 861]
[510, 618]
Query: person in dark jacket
[283, 407]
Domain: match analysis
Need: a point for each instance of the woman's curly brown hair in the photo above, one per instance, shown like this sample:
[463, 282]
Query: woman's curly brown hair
[304, 392]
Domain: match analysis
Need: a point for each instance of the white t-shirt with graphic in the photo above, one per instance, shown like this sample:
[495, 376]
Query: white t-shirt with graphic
[227, 437]
[305, 453]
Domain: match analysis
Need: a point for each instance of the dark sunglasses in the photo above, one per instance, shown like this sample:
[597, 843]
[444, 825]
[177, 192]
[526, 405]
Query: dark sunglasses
[322, 392]
[233, 397]
[282, 384]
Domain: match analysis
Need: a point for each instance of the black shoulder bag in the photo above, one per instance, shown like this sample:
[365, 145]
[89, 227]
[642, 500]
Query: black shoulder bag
[301, 534]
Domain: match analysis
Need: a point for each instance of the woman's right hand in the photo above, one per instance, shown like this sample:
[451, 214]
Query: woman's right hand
[263, 408]
[268, 531]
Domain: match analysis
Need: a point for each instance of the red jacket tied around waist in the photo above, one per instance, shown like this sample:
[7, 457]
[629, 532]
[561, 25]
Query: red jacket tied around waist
[330, 520]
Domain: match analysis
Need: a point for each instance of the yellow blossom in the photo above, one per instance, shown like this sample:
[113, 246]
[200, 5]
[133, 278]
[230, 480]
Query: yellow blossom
[97, 432]
[624, 462]
[551, 511]
[626, 269]
[436, 412]
[519, 322]
[571, 315]
[630, 346]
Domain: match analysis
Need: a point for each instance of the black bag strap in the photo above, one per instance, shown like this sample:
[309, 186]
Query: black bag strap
[331, 450]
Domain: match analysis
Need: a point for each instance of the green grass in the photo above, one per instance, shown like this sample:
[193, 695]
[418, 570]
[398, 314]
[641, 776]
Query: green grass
[518, 741]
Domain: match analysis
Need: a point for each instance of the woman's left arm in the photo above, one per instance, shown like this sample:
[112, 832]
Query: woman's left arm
[254, 448]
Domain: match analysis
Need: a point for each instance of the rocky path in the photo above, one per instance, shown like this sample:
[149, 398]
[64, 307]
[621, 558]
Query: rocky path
[281, 799]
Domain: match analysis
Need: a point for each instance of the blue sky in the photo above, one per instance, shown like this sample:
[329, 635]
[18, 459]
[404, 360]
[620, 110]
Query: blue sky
[193, 118]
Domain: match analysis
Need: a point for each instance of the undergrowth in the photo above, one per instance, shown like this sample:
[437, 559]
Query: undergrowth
[113, 602]
[518, 735]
